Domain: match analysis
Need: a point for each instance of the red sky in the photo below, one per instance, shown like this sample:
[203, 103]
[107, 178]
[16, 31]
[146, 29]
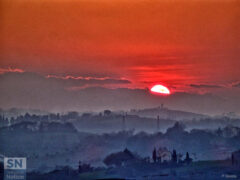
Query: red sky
[177, 43]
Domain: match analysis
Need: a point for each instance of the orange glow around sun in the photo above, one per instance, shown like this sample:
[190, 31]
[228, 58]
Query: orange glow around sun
[160, 89]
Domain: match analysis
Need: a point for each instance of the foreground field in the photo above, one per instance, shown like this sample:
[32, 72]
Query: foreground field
[212, 170]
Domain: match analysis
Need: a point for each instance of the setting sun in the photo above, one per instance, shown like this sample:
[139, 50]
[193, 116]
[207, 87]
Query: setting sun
[160, 89]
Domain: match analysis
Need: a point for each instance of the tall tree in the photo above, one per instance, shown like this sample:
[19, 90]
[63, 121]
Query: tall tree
[188, 159]
[154, 155]
[174, 156]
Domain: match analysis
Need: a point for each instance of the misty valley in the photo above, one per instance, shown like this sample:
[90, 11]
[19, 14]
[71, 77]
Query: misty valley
[148, 143]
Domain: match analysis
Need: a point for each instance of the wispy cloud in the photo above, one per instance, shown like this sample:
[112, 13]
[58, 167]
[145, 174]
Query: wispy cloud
[237, 84]
[6, 70]
[69, 82]
[205, 86]
[92, 80]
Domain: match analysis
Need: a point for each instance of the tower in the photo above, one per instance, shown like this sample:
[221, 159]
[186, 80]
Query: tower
[162, 106]
[123, 123]
[158, 123]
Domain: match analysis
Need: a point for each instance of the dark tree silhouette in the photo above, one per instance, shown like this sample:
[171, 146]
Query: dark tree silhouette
[107, 112]
[188, 159]
[79, 166]
[154, 155]
[119, 158]
[84, 167]
[174, 156]
[1, 167]
[232, 158]
[27, 116]
[219, 132]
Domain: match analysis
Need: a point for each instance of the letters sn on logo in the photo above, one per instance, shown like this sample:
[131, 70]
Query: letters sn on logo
[15, 163]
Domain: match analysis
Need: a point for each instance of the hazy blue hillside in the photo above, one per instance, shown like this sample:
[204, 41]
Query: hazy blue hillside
[47, 145]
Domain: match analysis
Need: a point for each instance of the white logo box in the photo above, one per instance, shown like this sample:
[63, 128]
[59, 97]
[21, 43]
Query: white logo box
[19, 163]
